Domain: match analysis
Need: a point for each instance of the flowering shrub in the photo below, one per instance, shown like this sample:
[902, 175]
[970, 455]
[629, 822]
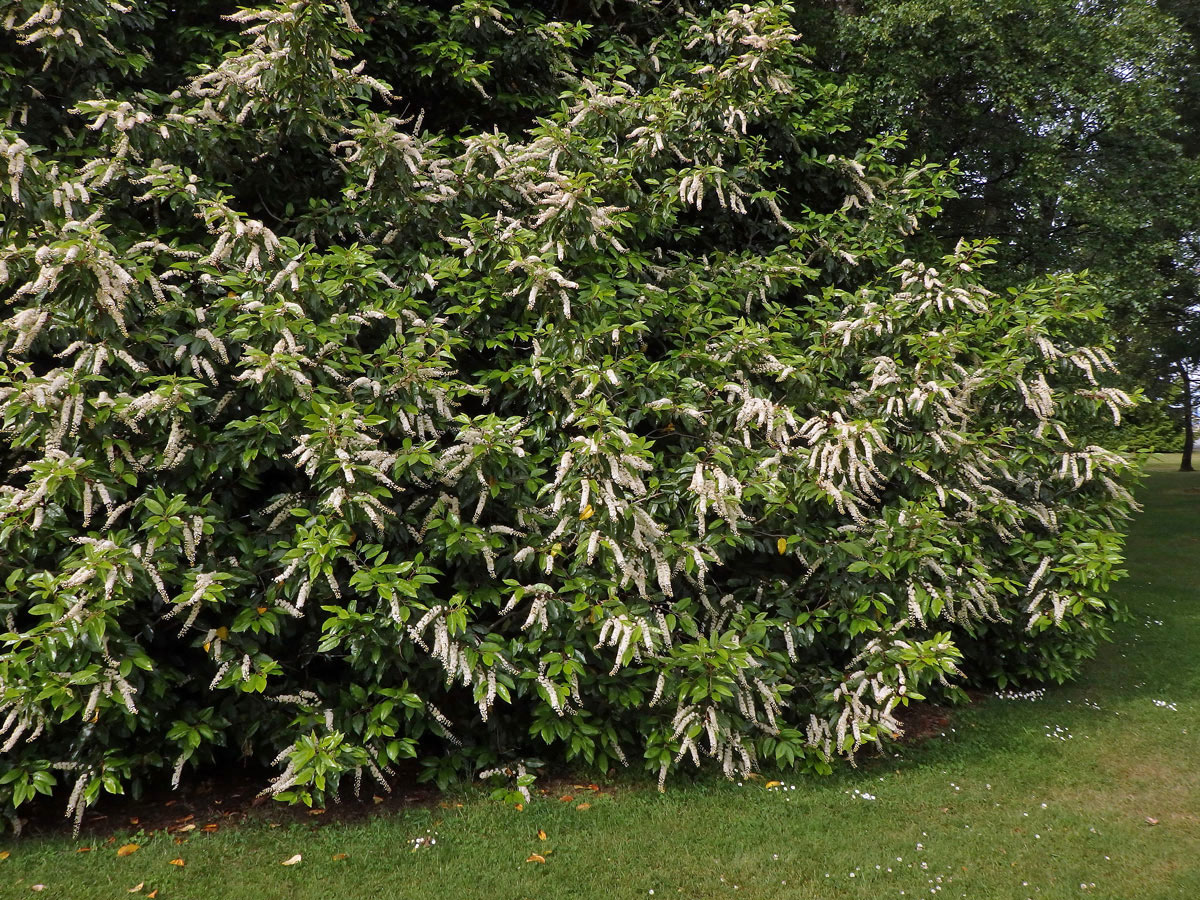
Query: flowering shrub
[627, 433]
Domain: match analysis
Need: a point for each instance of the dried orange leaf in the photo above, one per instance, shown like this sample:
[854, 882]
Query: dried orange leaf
[136, 888]
[126, 849]
[4, 854]
[541, 835]
[584, 806]
[536, 858]
[377, 798]
[518, 807]
[180, 840]
[566, 798]
[210, 827]
[153, 894]
[316, 812]
[291, 860]
[339, 856]
[178, 862]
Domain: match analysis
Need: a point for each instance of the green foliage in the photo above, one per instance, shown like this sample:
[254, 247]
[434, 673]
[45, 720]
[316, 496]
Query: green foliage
[1077, 131]
[618, 425]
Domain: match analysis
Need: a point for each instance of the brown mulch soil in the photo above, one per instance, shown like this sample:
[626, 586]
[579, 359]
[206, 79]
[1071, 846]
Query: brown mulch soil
[232, 799]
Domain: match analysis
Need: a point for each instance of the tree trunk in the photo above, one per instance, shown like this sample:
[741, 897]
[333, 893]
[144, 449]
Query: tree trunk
[1189, 430]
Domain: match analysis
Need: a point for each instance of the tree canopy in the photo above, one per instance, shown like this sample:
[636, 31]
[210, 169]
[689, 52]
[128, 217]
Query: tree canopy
[1077, 129]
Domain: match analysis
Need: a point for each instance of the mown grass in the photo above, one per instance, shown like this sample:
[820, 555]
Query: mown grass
[1043, 798]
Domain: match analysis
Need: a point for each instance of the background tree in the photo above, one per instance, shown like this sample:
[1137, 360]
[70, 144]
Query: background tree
[1077, 130]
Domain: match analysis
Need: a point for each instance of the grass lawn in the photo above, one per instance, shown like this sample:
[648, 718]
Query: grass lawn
[1050, 796]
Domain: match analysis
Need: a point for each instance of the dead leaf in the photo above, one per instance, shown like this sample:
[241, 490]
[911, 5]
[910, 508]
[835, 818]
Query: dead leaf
[781, 545]
[536, 858]
[292, 860]
[180, 840]
[210, 827]
[178, 862]
[186, 818]
[153, 894]
[566, 798]
[126, 849]
[261, 610]
[134, 821]
[136, 888]
[518, 807]
[83, 849]
[316, 812]
[583, 806]
[340, 856]
[37, 887]
[4, 854]
[184, 829]
[541, 835]
[1150, 820]
[377, 798]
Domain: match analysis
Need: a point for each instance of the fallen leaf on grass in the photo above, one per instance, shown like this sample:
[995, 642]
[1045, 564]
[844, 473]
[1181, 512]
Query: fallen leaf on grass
[340, 856]
[583, 806]
[771, 784]
[178, 862]
[541, 835]
[518, 807]
[566, 798]
[83, 849]
[210, 827]
[126, 849]
[316, 812]
[536, 858]
[4, 854]
[1150, 820]
[37, 887]
[291, 861]
[153, 894]
[137, 888]
[180, 840]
